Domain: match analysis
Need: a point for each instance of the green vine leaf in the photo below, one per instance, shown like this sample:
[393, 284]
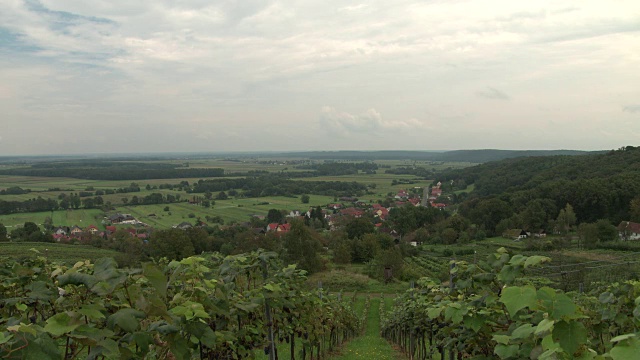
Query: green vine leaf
[523, 332]
[544, 326]
[570, 335]
[515, 298]
[626, 349]
[506, 351]
[557, 305]
[60, 324]
[126, 319]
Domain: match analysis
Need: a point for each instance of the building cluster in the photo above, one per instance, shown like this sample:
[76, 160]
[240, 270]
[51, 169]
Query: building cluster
[331, 215]
[75, 232]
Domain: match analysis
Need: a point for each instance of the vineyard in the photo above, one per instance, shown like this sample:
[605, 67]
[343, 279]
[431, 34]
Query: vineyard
[251, 306]
[486, 310]
[198, 308]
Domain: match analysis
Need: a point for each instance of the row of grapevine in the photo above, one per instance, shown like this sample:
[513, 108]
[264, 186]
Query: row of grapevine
[207, 307]
[488, 310]
[427, 266]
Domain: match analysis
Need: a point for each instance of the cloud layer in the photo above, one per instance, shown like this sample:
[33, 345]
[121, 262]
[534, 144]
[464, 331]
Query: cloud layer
[197, 75]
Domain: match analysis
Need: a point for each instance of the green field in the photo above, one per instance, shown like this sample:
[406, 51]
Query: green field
[80, 217]
[382, 183]
[239, 210]
[68, 254]
[232, 210]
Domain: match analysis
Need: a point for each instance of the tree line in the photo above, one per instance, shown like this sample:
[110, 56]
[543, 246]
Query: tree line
[116, 173]
[278, 185]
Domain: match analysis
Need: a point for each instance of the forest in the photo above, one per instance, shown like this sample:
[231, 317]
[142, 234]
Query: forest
[597, 186]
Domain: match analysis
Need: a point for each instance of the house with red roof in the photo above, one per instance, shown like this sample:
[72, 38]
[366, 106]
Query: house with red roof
[76, 231]
[415, 201]
[93, 229]
[272, 227]
[402, 194]
[381, 213]
[352, 212]
[628, 230]
[439, 205]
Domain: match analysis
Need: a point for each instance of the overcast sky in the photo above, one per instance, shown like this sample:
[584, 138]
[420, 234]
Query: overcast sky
[98, 76]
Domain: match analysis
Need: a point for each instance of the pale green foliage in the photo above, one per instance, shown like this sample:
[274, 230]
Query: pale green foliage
[483, 315]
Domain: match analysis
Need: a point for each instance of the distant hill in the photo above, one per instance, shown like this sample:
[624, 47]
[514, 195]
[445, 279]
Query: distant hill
[473, 156]
[598, 185]
[360, 155]
[486, 155]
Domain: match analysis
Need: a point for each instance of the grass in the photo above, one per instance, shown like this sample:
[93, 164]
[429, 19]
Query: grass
[238, 210]
[469, 189]
[69, 254]
[347, 280]
[370, 345]
[381, 181]
[80, 217]
[358, 306]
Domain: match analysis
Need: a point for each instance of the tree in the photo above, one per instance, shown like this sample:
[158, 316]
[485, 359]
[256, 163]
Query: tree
[222, 196]
[342, 253]
[389, 259]
[174, 244]
[3, 232]
[365, 248]
[486, 212]
[358, 227]
[634, 209]
[74, 201]
[403, 219]
[588, 234]
[304, 199]
[535, 214]
[566, 219]
[64, 203]
[30, 228]
[274, 216]
[606, 231]
[302, 246]
[449, 236]
[48, 223]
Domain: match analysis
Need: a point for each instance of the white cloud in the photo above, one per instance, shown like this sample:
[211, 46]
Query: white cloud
[254, 64]
[631, 108]
[370, 122]
[492, 93]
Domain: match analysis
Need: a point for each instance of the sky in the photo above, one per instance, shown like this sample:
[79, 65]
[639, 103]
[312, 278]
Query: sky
[111, 76]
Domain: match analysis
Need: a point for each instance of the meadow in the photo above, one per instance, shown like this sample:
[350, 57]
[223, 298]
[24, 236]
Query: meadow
[68, 254]
[230, 210]
[80, 217]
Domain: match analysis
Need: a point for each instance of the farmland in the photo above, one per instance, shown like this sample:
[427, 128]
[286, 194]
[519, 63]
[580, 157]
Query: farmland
[234, 209]
[68, 254]
[80, 217]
